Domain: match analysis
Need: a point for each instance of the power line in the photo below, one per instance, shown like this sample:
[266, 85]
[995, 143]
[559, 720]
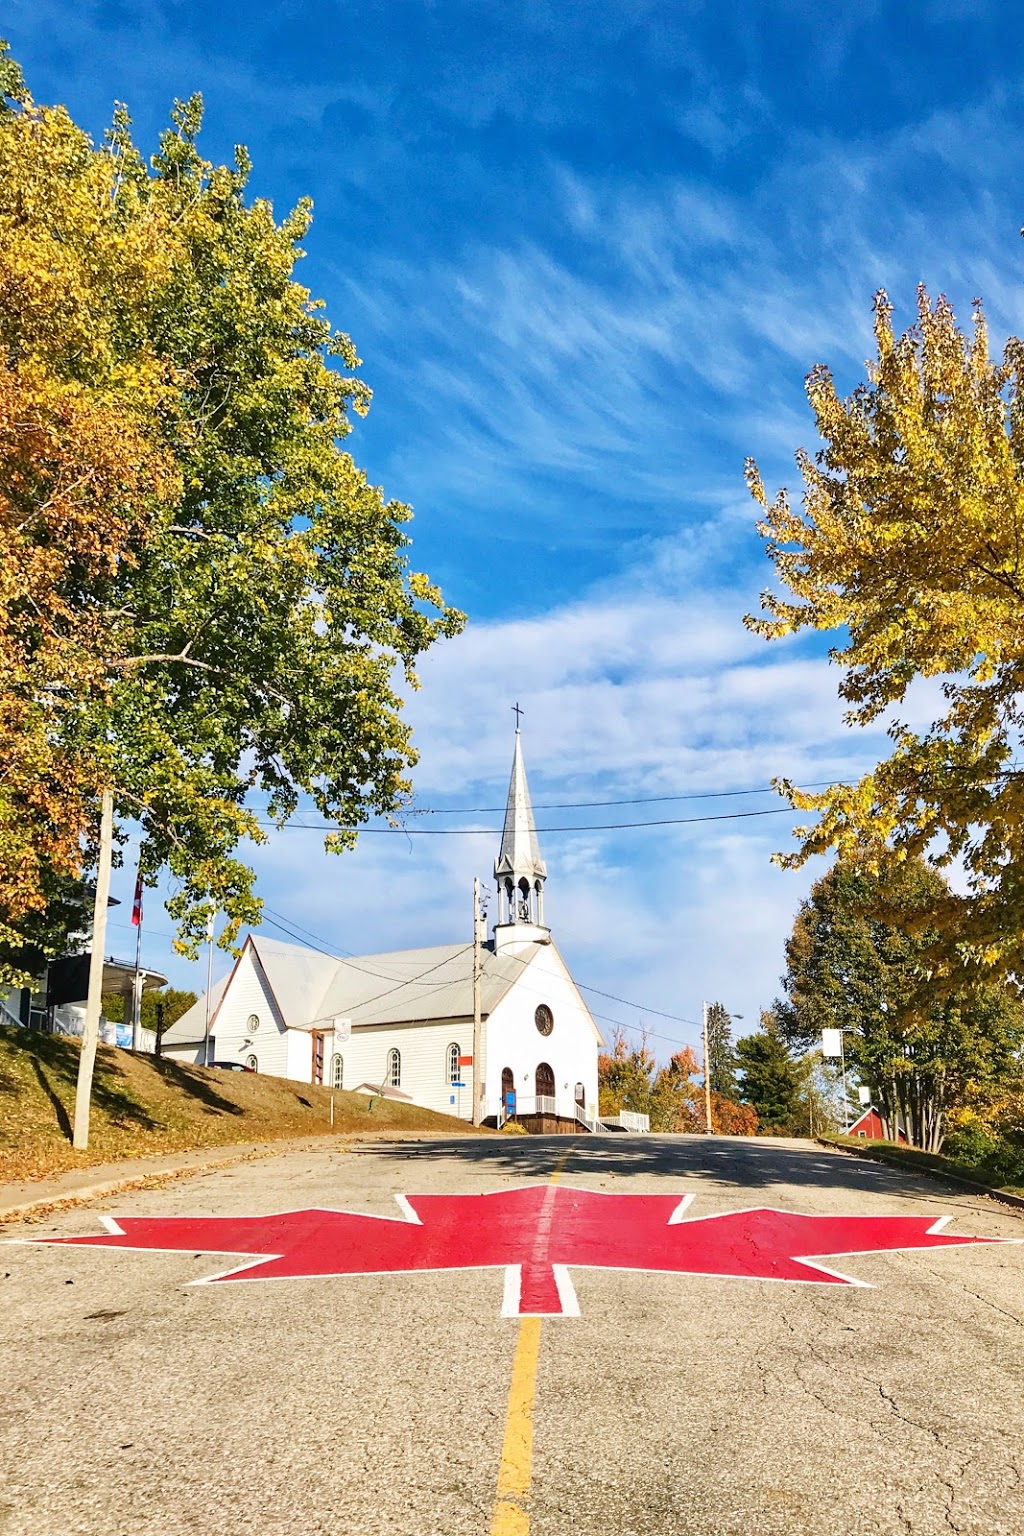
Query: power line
[293, 931]
[614, 826]
[619, 1023]
[626, 1003]
[576, 805]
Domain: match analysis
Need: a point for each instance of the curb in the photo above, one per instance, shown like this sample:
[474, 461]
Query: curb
[941, 1175]
[165, 1167]
[175, 1166]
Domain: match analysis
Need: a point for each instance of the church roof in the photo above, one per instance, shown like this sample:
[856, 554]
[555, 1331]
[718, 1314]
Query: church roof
[396, 987]
[298, 976]
[519, 853]
[408, 984]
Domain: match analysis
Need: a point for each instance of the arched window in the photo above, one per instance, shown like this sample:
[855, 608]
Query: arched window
[453, 1062]
[394, 1073]
[252, 1063]
[545, 1081]
[337, 1071]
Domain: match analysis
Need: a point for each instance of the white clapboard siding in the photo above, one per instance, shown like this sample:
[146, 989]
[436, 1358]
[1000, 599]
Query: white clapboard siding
[248, 993]
[513, 1040]
[424, 1053]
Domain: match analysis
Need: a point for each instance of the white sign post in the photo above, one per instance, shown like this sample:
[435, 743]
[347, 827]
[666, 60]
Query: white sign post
[832, 1047]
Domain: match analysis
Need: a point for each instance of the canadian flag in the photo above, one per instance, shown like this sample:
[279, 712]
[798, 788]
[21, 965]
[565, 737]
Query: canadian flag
[137, 904]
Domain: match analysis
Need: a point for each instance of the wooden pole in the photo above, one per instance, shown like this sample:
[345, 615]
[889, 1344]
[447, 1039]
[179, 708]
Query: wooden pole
[707, 1074]
[91, 1032]
[478, 1066]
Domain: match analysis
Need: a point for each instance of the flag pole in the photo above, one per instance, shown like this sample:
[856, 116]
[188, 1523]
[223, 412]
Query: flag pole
[137, 987]
[209, 984]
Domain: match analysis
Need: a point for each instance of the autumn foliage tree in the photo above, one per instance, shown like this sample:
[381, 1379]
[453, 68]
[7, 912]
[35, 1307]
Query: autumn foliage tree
[629, 1078]
[83, 472]
[909, 548]
[201, 595]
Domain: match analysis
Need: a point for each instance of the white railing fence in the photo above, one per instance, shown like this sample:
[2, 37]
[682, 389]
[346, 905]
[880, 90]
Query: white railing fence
[551, 1104]
[628, 1120]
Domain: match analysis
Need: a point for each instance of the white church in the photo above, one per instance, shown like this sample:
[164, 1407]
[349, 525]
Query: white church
[401, 1023]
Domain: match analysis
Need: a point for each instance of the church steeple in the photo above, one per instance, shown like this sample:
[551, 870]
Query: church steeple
[519, 870]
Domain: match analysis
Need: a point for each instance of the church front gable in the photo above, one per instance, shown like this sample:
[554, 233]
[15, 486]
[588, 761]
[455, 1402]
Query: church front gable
[541, 1043]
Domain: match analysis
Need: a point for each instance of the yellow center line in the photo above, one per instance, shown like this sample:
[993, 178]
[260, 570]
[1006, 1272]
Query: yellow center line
[511, 1514]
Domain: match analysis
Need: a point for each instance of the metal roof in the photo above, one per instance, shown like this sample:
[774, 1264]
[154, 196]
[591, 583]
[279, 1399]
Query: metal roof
[414, 984]
[396, 987]
[519, 853]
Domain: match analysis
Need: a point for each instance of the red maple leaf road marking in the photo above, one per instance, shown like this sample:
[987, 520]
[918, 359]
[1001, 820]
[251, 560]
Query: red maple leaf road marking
[534, 1233]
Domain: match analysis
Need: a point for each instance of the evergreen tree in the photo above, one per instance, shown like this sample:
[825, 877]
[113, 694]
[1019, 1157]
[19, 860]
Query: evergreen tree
[721, 1053]
[860, 959]
[770, 1082]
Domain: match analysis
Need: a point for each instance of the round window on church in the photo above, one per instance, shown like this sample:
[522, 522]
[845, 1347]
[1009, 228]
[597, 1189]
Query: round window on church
[252, 1022]
[544, 1019]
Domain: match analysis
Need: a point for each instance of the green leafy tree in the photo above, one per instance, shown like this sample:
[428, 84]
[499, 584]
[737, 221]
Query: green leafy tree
[771, 1082]
[253, 621]
[721, 1054]
[859, 959]
[171, 1000]
[908, 548]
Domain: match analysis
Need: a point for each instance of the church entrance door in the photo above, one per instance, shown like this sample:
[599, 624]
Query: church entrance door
[508, 1091]
[545, 1081]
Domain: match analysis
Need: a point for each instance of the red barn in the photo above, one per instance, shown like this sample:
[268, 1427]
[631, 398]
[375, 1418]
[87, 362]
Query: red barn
[870, 1126]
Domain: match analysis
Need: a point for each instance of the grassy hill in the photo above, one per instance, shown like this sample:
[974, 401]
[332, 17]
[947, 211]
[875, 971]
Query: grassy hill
[142, 1105]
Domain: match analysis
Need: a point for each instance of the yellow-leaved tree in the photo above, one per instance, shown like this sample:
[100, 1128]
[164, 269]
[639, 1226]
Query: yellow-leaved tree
[202, 596]
[909, 544]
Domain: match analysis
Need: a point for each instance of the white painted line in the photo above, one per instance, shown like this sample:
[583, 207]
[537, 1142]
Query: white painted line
[681, 1208]
[407, 1210]
[513, 1290]
[566, 1291]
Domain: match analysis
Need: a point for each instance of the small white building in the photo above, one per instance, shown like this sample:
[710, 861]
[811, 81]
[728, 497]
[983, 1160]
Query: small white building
[401, 1022]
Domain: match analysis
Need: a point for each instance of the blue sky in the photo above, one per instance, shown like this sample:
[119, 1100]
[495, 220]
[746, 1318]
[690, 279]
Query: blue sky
[587, 253]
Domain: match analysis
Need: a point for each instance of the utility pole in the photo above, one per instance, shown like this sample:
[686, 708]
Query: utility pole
[707, 1075]
[91, 1032]
[478, 1065]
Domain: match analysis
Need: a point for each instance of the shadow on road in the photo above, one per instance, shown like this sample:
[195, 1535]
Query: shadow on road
[750, 1163]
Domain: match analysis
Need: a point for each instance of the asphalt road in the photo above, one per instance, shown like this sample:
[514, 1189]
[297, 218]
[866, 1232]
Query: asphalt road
[675, 1404]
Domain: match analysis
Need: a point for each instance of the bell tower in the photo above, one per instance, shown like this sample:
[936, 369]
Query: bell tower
[519, 870]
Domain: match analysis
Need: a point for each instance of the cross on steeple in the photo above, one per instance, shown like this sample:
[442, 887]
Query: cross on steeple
[517, 712]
